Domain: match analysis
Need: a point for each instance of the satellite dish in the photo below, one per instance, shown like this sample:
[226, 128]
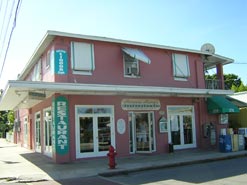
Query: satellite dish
[209, 48]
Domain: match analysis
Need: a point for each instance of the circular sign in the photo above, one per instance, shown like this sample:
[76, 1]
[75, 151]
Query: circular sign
[121, 126]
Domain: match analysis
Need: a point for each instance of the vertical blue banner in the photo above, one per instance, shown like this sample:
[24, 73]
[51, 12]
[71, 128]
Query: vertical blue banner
[61, 62]
[61, 125]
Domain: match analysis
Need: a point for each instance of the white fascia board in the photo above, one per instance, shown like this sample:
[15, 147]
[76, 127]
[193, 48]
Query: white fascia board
[60, 87]
[17, 91]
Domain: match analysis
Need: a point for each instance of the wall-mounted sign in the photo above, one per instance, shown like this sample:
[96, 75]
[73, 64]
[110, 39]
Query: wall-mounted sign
[61, 62]
[121, 126]
[36, 95]
[140, 104]
[61, 125]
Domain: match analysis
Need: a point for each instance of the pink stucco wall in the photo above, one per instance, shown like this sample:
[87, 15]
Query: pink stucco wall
[109, 66]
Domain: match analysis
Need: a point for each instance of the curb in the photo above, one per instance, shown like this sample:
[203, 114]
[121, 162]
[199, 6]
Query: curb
[175, 164]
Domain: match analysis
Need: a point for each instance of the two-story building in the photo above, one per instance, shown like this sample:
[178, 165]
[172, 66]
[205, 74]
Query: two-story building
[79, 94]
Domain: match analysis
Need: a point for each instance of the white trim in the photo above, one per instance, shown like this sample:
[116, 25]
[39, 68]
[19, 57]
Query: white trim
[94, 116]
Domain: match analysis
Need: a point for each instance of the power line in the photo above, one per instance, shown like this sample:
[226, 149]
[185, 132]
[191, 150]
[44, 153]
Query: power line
[6, 31]
[239, 63]
[13, 27]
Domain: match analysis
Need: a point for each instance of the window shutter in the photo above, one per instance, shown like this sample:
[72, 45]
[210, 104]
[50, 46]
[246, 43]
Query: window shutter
[82, 56]
[180, 66]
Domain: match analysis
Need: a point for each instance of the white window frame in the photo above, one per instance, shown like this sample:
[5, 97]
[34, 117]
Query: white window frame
[130, 63]
[181, 68]
[78, 57]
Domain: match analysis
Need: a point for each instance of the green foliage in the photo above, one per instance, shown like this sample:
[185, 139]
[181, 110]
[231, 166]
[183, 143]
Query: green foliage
[232, 82]
[6, 121]
[241, 88]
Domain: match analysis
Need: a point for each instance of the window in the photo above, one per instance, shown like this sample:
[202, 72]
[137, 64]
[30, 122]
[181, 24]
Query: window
[48, 59]
[36, 76]
[131, 66]
[82, 58]
[181, 68]
[131, 61]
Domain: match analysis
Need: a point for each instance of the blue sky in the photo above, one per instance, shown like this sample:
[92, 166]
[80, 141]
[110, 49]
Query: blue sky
[178, 23]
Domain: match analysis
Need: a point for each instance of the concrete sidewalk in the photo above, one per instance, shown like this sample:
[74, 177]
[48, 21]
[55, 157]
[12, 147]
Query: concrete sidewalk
[22, 165]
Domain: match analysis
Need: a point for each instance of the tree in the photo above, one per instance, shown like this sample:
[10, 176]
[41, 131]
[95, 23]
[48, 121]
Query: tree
[6, 122]
[231, 81]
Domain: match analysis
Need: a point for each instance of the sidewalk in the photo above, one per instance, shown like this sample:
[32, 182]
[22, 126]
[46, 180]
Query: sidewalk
[24, 165]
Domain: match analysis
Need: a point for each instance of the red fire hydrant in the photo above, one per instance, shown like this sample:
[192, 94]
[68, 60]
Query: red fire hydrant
[111, 156]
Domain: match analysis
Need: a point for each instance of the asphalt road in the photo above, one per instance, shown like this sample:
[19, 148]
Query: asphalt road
[226, 172]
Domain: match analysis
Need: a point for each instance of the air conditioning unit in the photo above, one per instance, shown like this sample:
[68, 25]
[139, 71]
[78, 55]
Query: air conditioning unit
[132, 71]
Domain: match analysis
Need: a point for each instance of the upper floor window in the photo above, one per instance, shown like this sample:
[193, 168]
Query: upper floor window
[82, 58]
[131, 61]
[36, 75]
[48, 59]
[131, 66]
[181, 70]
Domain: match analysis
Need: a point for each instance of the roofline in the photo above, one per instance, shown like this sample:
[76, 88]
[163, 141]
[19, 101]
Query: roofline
[50, 35]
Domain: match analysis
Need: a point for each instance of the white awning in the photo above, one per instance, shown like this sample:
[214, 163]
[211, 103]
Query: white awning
[17, 93]
[138, 54]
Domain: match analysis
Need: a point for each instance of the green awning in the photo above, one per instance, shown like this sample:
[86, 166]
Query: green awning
[220, 105]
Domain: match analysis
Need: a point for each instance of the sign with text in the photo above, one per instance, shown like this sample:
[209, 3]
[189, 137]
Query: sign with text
[61, 125]
[140, 104]
[61, 62]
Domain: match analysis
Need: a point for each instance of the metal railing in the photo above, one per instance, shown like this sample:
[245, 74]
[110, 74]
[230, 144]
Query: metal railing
[213, 84]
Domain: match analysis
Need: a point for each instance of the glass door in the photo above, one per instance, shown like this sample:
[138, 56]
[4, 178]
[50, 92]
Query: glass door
[25, 133]
[181, 127]
[37, 133]
[86, 135]
[47, 133]
[104, 133]
[95, 133]
[142, 138]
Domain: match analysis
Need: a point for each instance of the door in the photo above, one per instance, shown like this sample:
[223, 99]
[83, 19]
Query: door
[95, 133]
[47, 132]
[142, 138]
[37, 133]
[25, 132]
[181, 127]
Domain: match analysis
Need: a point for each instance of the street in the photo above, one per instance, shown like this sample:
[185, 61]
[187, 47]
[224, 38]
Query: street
[232, 171]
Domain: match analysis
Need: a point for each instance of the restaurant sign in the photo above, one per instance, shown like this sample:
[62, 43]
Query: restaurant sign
[140, 104]
[61, 125]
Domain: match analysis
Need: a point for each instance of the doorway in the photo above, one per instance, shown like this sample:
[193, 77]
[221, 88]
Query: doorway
[94, 130]
[48, 132]
[181, 127]
[142, 137]
[37, 132]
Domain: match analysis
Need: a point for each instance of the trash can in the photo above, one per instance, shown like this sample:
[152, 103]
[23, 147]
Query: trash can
[171, 149]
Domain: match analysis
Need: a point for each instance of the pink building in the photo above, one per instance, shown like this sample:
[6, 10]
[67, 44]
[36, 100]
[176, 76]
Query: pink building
[79, 94]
